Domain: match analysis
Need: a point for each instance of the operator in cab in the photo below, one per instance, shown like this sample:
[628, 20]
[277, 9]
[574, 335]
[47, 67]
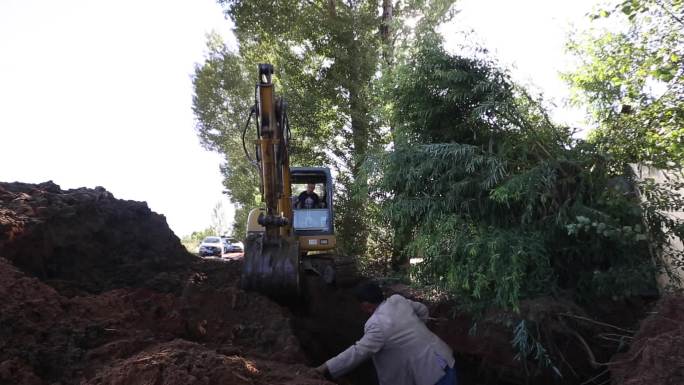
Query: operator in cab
[404, 350]
[308, 199]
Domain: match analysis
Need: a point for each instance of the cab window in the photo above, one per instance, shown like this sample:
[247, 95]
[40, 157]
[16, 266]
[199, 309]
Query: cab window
[311, 219]
[301, 199]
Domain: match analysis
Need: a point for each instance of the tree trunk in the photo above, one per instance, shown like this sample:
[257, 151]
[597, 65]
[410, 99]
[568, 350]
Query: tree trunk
[386, 32]
[354, 224]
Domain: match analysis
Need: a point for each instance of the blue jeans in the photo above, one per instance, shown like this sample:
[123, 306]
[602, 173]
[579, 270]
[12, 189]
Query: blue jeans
[449, 377]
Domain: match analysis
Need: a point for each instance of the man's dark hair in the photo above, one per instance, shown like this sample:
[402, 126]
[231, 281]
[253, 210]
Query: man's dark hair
[369, 292]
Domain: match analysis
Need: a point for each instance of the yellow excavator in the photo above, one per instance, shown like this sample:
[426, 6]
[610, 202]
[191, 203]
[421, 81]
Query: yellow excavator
[290, 237]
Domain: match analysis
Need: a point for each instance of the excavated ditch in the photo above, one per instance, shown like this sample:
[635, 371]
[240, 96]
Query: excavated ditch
[326, 321]
[329, 320]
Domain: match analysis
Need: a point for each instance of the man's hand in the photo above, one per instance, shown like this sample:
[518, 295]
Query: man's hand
[322, 370]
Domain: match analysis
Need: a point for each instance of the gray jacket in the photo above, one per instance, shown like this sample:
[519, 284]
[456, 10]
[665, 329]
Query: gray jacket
[404, 350]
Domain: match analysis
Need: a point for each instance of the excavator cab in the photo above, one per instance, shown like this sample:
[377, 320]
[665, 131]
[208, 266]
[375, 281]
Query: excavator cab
[313, 226]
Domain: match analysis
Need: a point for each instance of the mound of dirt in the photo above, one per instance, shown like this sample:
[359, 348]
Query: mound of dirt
[139, 336]
[182, 362]
[100, 291]
[86, 241]
[656, 356]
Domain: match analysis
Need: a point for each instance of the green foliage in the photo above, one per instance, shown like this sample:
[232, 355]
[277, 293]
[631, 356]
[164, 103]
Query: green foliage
[330, 58]
[500, 203]
[490, 265]
[633, 81]
[528, 346]
[664, 229]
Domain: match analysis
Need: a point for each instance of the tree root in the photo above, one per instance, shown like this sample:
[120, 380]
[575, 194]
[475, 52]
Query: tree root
[592, 358]
[597, 322]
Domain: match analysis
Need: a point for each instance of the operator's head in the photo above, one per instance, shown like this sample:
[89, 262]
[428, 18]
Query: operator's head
[310, 187]
[369, 295]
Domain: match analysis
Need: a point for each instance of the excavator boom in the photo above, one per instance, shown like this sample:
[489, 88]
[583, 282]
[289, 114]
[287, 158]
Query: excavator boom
[271, 262]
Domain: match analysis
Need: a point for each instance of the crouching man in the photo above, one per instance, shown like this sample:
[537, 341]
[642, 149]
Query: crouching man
[404, 350]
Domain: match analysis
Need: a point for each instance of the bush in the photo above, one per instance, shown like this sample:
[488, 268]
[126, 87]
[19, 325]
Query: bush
[500, 203]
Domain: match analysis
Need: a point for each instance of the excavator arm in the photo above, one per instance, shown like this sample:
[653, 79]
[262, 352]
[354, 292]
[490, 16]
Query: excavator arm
[271, 262]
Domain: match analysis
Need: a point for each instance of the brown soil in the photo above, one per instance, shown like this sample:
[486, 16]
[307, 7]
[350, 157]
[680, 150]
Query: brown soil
[139, 336]
[656, 356]
[327, 321]
[99, 291]
[181, 362]
[86, 241]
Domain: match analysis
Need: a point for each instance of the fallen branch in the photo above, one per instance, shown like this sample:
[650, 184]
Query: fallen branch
[655, 313]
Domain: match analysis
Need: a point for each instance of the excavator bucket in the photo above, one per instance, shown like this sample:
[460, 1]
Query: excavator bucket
[271, 268]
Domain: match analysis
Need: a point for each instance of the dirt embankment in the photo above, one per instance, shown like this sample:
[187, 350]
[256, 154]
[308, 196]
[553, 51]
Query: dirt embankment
[656, 354]
[86, 241]
[99, 291]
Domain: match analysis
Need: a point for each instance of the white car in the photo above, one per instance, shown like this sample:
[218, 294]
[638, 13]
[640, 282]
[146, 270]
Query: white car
[211, 246]
[233, 246]
[237, 247]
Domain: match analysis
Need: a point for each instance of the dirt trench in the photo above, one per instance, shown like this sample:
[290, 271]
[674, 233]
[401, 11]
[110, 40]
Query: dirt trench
[328, 320]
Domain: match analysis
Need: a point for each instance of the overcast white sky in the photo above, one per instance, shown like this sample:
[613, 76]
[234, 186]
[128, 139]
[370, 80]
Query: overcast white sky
[99, 93]
[527, 36]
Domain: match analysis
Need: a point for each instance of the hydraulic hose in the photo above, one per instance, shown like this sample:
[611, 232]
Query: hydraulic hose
[252, 112]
